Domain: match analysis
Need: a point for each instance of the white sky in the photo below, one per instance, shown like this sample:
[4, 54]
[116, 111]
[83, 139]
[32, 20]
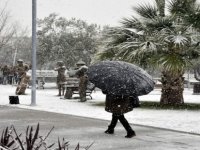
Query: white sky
[103, 12]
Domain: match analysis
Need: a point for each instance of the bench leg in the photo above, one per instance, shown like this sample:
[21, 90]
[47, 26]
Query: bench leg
[89, 94]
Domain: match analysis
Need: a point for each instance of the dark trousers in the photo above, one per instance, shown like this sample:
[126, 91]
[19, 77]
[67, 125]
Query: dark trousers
[5, 79]
[10, 79]
[1, 80]
[122, 119]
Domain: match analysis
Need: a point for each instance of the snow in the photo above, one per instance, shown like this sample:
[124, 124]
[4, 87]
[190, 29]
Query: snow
[181, 120]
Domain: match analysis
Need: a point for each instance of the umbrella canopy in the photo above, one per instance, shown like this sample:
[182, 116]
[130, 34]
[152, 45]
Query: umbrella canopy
[120, 78]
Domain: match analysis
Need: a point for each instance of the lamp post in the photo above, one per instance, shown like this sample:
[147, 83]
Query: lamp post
[14, 59]
[33, 89]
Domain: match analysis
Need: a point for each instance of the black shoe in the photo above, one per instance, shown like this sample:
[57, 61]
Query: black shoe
[130, 134]
[109, 131]
[83, 99]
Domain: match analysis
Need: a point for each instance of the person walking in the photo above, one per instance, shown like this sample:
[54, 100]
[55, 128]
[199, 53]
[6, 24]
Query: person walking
[122, 83]
[118, 105]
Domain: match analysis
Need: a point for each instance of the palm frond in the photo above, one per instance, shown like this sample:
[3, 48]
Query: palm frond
[157, 40]
[177, 40]
[107, 54]
[181, 7]
[193, 18]
[174, 63]
[118, 35]
[132, 22]
[124, 51]
[179, 37]
[159, 23]
[146, 11]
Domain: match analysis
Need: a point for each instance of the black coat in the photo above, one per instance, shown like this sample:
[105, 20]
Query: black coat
[120, 104]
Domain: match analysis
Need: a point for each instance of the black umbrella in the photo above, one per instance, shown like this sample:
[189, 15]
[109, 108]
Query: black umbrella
[120, 78]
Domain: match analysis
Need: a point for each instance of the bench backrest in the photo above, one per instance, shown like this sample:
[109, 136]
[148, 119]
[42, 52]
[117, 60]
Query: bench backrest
[45, 73]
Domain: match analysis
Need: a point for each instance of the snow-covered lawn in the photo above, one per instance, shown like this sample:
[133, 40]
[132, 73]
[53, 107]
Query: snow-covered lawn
[182, 120]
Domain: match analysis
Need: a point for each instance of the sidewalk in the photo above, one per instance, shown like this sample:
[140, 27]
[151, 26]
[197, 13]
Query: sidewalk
[86, 131]
[180, 120]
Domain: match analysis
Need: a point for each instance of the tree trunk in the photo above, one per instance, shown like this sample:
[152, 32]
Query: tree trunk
[196, 88]
[161, 7]
[172, 89]
[197, 72]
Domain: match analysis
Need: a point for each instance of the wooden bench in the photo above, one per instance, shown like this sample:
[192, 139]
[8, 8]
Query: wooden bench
[41, 75]
[72, 87]
[88, 93]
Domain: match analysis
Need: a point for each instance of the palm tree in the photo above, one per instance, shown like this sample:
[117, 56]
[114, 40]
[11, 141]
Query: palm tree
[157, 40]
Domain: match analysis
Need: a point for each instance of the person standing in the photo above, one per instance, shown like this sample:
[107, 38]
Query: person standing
[61, 78]
[21, 69]
[5, 74]
[10, 75]
[83, 81]
[1, 75]
[118, 105]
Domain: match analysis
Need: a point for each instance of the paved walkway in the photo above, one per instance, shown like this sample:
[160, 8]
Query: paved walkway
[86, 130]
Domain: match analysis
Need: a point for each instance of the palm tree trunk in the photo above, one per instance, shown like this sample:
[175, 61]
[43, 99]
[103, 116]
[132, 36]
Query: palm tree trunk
[197, 72]
[196, 88]
[172, 89]
[161, 7]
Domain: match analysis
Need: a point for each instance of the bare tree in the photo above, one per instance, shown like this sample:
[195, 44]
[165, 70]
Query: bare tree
[21, 45]
[7, 31]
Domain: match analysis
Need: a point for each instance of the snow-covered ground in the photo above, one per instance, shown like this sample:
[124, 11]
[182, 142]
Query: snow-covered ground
[182, 120]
